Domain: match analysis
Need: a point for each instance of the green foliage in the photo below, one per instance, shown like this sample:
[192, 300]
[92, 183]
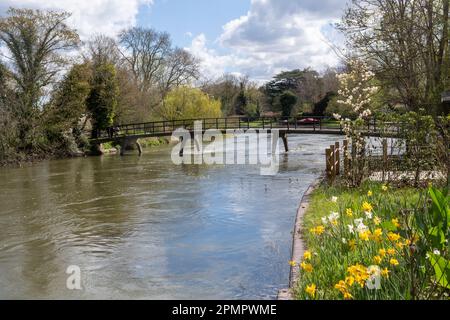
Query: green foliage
[189, 103]
[34, 40]
[287, 101]
[102, 99]
[69, 101]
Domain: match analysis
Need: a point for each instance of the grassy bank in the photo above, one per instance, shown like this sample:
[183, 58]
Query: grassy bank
[375, 242]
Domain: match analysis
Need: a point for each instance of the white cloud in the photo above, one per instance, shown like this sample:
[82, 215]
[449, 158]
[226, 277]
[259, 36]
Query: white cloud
[88, 16]
[275, 35]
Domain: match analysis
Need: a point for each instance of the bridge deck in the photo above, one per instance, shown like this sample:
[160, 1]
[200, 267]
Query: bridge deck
[297, 125]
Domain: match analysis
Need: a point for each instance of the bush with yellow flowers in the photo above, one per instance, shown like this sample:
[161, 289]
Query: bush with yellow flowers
[375, 243]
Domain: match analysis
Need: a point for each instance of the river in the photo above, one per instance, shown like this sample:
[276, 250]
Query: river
[144, 228]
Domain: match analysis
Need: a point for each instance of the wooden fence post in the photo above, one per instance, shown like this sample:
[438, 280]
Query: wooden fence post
[385, 158]
[333, 162]
[328, 163]
[337, 159]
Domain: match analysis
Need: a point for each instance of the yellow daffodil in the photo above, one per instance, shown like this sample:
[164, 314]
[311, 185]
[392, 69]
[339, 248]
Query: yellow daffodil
[347, 296]
[352, 244]
[391, 251]
[307, 255]
[292, 263]
[350, 280]
[306, 267]
[393, 236]
[349, 212]
[367, 207]
[365, 236]
[394, 262]
[318, 230]
[400, 244]
[377, 234]
[370, 193]
[395, 223]
[385, 272]
[377, 221]
[341, 286]
[382, 252]
[311, 290]
[377, 259]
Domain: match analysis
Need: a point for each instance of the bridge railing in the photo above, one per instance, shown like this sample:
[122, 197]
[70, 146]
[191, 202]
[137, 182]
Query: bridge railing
[168, 126]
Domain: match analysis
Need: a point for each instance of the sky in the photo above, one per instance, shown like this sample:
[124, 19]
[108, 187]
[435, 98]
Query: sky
[257, 38]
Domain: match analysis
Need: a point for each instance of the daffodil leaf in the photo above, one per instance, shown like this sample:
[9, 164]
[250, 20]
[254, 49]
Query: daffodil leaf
[388, 226]
[441, 268]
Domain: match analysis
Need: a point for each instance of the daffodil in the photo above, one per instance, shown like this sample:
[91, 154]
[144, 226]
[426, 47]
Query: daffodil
[382, 252]
[307, 255]
[395, 223]
[341, 286]
[306, 267]
[311, 290]
[367, 207]
[352, 244]
[376, 220]
[292, 263]
[384, 188]
[350, 280]
[370, 193]
[318, 230]
[393, 236]
[385, 272]
[377, 259]
[347, 296]
[334, 199]
[349, 212]
[365, 236]
[391, 251]
[394, 262]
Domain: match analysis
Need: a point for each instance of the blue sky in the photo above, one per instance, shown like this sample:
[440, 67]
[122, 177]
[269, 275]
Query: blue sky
[257, 38]
[178, 17]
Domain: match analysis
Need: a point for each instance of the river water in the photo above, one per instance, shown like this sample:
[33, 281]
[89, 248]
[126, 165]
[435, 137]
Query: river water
[144, 228]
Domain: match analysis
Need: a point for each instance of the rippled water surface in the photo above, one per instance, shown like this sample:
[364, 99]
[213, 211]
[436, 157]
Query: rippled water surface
[143, 228]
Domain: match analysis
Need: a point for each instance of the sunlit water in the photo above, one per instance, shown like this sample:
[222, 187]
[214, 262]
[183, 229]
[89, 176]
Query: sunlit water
[144, 228]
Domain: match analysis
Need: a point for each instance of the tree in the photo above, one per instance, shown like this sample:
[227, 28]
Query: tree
[102, 99]
[321, 106]
[69, 101]
[35, 41]
[179, 68]
[226, 89]
[103, 49]
[287, 101]
[145, 51]
[406, 43]
[189, 103]
[241, 101]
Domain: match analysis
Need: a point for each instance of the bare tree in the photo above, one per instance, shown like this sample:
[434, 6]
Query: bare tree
[103, 49]
[145, 51]
[406, 42]
[179, 68]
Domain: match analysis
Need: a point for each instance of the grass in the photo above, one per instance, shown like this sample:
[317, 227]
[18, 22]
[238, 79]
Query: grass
[339, 263]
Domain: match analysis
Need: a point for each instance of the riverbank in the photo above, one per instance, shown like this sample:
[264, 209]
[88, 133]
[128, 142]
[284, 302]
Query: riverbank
[298, 242]
[22, 159]
[375, 232]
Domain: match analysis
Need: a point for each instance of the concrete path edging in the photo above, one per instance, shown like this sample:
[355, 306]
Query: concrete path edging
[298, 244]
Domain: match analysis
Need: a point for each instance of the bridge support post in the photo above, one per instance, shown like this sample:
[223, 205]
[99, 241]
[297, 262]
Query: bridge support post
[285, 141]
[129, 143]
